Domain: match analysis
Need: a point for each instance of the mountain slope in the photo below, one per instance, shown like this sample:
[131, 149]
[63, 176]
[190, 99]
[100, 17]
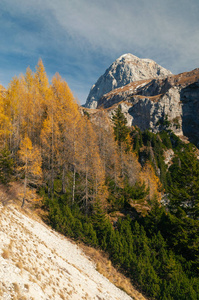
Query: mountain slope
[38, 263]
[148, 103]
[125, 69]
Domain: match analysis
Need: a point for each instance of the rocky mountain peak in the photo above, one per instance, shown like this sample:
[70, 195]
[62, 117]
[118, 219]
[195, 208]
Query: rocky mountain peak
[125, 69]
[127, 56]
[148, 103]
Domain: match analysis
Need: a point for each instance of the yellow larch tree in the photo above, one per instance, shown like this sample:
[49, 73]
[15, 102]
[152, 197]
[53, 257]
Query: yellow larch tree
[49, 140]
[70, 130]
[131, 167]
[5, 124]
[15, 111]
[38, 98]
[27, 98]
[57, 132]
[107, 146]
[30, 164]
[41, 79]
[152, 181]
[20, 110]
[92, 167]
[32, 107]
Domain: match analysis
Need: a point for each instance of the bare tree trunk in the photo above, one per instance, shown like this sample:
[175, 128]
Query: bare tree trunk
[74, 183]
[86, 196]
[49, 188]
[122, 164]
[25, 183]
[24, 194]
[63, 181]
[52, 157]
[74, 165]
[115, 173]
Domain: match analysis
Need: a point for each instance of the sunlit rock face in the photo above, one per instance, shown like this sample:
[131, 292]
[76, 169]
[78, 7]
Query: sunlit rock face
[127, 68]
[152, 104]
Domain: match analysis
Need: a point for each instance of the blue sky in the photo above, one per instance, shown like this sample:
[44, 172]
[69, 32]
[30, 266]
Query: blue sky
[80, 38]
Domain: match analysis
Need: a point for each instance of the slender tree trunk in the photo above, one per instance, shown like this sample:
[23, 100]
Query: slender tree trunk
[74, 167]
[24, 193]
[49, 193]
[122, 164]
[86, 196]
[96, 189]
[63, 181]
[25, 182]
[52, 180]
[115, 173]
[52, 158]
[74, 183]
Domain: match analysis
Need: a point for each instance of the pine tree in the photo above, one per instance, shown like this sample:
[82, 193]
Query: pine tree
[184, 185]
[121, 130]
[122, 137]
[6, 166]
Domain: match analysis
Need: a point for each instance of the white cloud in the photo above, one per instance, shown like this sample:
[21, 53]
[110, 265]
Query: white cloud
[146, 27]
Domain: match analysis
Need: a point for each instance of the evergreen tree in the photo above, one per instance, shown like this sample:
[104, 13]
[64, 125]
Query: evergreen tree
[121, 130]
[6, 166]
[99, 220]
[184, 185]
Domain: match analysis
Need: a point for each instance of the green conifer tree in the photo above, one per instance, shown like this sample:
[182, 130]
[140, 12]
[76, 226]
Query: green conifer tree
[184, 185]
[121, 130]
[6, 166]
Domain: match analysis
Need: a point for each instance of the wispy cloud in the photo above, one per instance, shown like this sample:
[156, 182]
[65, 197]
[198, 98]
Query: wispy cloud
[80, 38]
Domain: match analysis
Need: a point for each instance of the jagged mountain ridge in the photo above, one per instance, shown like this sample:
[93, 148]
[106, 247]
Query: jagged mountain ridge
[127, 68]
[146, 103]
[150, 87]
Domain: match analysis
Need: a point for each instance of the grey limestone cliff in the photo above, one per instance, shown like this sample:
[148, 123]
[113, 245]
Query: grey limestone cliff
[127, 68]
[154, 104]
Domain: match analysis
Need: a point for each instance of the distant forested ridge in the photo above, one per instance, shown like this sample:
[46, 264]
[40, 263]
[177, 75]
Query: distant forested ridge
[104, 183]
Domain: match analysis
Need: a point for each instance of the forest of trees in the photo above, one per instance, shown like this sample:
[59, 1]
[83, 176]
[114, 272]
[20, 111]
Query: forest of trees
[104, 183]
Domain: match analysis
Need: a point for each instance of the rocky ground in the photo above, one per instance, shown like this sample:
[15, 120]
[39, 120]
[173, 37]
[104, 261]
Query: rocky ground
[38, 263]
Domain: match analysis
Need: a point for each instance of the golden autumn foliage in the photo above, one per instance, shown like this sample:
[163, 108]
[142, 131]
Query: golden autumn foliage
[51, 137]
[5, 125]
[30, 163]
[152, 181]
[30, 157]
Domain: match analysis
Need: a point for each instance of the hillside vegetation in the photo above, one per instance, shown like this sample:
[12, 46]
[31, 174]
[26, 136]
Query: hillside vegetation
[105, 184]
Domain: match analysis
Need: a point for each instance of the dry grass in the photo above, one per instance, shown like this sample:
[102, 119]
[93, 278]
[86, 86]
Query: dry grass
[5, 254]
[104, 266]
[16, 287]
[26, 286]
[32, 279]
[70, 292]
[22, 297]
[19, 265]
[10, 246]
[38, 276]
[62, 296]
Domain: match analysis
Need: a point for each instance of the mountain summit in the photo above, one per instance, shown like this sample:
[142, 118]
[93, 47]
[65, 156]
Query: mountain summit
[125, 69]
